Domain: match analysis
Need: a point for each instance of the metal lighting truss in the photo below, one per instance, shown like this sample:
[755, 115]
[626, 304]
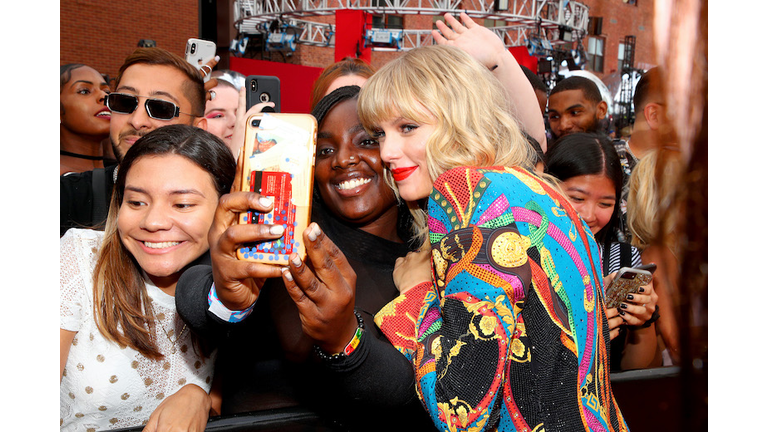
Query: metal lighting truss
[544, 19]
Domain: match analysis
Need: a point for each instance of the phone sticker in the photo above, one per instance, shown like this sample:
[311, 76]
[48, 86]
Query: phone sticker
[278, 187]
[276, 170]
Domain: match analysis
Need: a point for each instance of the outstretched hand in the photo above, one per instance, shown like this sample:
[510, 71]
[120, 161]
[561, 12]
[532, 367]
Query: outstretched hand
[238, 282]
[323, 289]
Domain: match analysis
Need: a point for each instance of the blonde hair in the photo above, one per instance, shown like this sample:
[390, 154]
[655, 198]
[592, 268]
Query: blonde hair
[652, 188]
[444, 85]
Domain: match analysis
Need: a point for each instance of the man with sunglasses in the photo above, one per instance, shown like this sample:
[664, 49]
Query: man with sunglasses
[154, 88]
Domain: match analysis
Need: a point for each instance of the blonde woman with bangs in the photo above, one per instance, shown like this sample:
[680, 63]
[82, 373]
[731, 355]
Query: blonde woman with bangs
[472, 127]
[506, 329]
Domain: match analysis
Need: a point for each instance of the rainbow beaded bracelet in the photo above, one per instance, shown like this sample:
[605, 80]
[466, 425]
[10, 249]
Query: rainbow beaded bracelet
[349, 349]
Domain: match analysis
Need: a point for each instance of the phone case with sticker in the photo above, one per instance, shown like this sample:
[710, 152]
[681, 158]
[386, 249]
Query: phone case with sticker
[278, 162]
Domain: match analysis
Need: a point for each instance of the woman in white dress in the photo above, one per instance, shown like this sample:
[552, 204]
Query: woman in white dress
[127, 358]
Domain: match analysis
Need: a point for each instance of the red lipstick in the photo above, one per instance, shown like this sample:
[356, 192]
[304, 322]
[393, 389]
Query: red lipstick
[400, 174]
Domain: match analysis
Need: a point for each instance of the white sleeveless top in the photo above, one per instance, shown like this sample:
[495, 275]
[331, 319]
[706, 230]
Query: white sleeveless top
[105, 386]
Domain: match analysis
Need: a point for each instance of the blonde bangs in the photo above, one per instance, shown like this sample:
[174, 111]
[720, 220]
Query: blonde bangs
[391, 93]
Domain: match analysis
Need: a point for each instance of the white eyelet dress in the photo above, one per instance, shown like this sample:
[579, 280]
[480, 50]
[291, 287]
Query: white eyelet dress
[105, 386]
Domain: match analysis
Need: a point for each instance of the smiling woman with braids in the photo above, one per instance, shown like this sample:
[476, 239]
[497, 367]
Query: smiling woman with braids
[362, 225]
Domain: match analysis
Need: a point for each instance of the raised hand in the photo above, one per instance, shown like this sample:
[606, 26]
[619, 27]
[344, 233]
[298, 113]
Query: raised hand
[323, 289]
[480, 42]
[239, 282]
[486, 47]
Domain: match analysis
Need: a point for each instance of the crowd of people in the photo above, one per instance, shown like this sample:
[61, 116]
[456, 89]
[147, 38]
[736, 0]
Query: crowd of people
[456, 263]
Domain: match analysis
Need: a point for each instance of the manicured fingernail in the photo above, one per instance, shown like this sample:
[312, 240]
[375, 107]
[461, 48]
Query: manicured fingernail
[217, 58]
[287, 274]
[621, 312]
[630, 297]
[276, 230]
[296, 261]
[624, 306]
[265, 201]
[642, 289]
[314, 233]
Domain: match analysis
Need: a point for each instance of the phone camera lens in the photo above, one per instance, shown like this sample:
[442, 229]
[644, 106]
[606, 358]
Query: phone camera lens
[264, 97]
[255, 122]
[194, 48]
[253, 86]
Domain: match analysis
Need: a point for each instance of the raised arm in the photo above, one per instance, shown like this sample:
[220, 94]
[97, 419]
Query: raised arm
[485, 46]
[237, 283]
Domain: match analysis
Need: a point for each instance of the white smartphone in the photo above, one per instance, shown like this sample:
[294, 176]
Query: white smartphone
[200, 52]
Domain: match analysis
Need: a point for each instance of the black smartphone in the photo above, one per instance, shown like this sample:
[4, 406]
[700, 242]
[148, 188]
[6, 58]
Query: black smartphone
[261, 88]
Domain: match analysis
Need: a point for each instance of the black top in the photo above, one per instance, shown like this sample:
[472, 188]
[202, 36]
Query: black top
[267, 362]
[84, 203]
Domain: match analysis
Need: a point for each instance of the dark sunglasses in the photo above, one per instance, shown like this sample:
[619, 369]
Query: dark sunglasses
[158, 109]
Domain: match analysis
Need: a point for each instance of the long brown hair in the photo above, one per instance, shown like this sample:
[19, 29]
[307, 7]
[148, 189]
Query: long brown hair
[122, 309]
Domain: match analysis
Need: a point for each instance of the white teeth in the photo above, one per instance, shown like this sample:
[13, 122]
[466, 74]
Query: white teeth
[104, 114]
[351, 184]
[161, 245]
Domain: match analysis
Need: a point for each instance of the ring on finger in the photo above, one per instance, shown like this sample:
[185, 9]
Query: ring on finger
[204, 71]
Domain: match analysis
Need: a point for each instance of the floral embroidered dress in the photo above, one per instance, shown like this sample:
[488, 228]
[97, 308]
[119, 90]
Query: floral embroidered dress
[511, 335]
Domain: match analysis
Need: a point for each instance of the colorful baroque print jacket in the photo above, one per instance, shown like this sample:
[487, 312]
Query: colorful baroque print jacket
[511, 335]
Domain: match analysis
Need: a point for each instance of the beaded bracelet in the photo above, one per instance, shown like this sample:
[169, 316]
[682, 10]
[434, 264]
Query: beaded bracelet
[650, 321]
[349, 349]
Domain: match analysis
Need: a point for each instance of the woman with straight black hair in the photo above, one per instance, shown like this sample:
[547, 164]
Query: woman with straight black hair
[589, 168]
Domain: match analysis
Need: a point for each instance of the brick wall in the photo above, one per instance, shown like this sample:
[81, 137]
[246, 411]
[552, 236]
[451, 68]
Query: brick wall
[621, 19]
[101, 34]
